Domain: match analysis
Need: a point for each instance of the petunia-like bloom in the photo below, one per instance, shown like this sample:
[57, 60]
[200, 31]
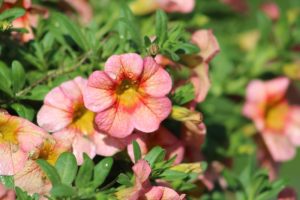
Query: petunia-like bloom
[6, 194]
[32, 178]
[129, 94]
[28, 20]
[143, 189]
[276, 120]
[271, 9]
[64, 114]
[163, 138]
[142, 7]
[18, 137]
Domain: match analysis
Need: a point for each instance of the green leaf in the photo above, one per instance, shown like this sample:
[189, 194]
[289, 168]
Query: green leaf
[66, 166]
[7, 181]
[173, 175]
[38, 93]
[123, 179]
[24, 111]
[136, 151]
[85, 172]
[50, 171]
[18, 76]
[184, 94]
[157, 154]
[101, 171]
[12, 14]
[62, 190]
[63, 22]
[161, 28]
[5, 79]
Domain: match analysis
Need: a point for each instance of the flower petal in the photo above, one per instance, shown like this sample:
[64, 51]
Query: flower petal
[12, 159]
[73, 89]
[130, 65]
[155, 80]
[83, 145]
[142, 171]
[279, 146]
[107, 145]
[293, 126]
[154, 193]
[32, 179]
[115, 121]
[276, 88]
[53, 119]
[180, 6]
[201, 82]
[150, 112]
[99, 92]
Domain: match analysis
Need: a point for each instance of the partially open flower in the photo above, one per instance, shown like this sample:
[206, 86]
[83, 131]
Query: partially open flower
[129, 94]
[162, 137]
[6, 194]
[64, 113]
[143, 189]
[18, 137]
[274, 117]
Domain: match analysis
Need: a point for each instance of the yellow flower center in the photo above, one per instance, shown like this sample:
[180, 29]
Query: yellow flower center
[83, 120]
[276, 115]
[8, 130]
[48, 151]
[128, 93]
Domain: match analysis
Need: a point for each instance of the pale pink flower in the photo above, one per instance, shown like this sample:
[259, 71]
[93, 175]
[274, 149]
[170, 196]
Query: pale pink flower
[6, 194]
[163, 138]
[271, 9]
[32, 178]
[276, 120]
[18, 137]
[83, 8]
[143, 189]
[209, 48]
[64, 114]
[129, 94]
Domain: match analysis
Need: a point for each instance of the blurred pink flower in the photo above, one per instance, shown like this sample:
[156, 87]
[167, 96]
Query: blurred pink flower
[287, 194]
[83, 8]
[64, 113]
[6, 194]
[130, 93]
[28, 20]
[271, 9]
[240, 6]
[163, 138]
[18, 137]
[31, 178]
[143, 189]
[209, 48]
[278, 122]
[179, 6]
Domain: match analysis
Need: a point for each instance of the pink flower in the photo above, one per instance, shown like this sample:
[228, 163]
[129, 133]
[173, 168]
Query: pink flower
[209, 48]
[271, 10]
[240, 6]
[287, 194]
[32, 178]
[17, 138]
[277, 121]
[163, 138]
[6, 194]
[64, 113]
[28, 20]
[143, 189]
[83, 8]
[130, 93]
[179, 6]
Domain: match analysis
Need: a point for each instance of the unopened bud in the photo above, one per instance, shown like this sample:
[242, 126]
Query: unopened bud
[183, 114]
[153, 49]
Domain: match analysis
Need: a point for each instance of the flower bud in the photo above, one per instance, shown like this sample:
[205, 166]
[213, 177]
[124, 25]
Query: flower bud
[183, 114]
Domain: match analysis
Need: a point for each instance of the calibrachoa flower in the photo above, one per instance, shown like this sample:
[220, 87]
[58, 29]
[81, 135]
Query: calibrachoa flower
[6, 194]
[64, 113]
[277, 120]
[163, 138]
[18, 137]
[130, 93]
[31, 178]
[143, 189]
[28, 20]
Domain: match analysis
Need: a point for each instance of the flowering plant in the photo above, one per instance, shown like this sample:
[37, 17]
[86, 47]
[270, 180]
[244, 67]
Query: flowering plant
[149, 99]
